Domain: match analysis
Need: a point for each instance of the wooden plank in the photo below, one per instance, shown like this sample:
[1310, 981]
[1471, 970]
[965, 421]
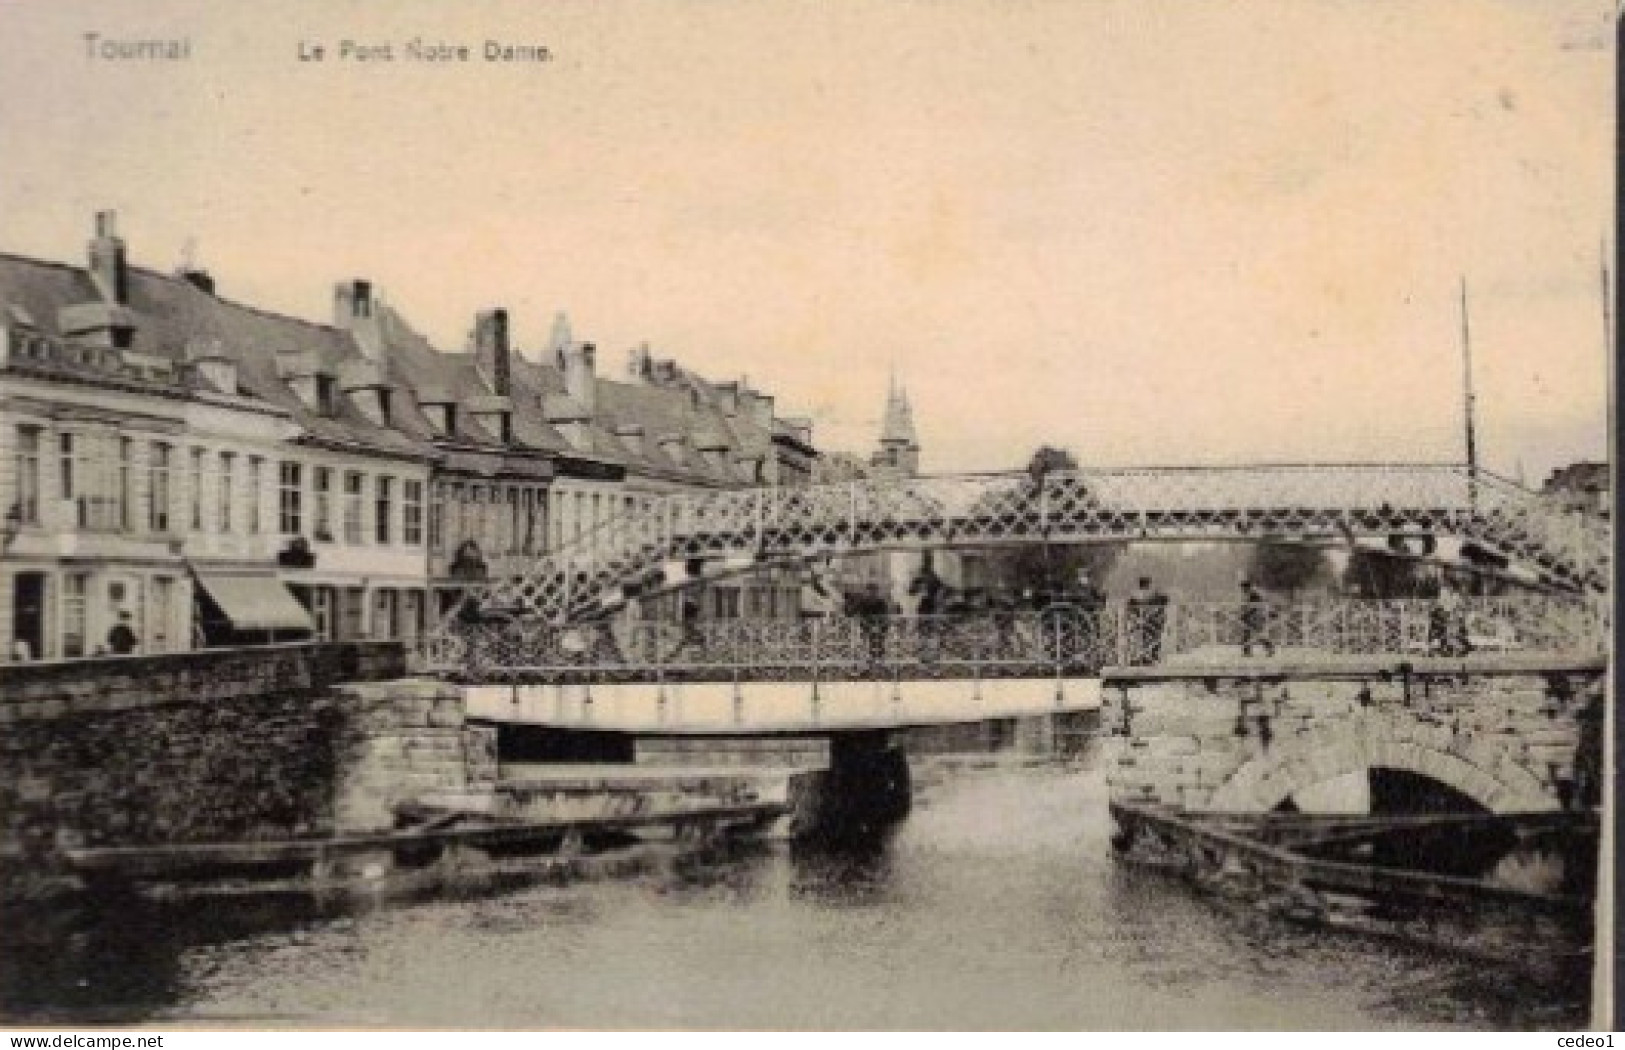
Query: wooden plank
[1305, 830]
[1287, 868]
[147, 860]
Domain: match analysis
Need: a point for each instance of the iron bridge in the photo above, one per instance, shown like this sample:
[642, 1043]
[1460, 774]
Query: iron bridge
[679, 539]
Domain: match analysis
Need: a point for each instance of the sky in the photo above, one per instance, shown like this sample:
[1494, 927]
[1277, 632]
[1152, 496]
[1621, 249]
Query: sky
[1149, 232]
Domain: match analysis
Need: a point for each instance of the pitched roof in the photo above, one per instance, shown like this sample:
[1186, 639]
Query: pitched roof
[171, 314]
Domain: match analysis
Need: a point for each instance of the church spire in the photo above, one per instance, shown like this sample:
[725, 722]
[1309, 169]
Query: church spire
[559, 339]
[899, 447]
[898, 426]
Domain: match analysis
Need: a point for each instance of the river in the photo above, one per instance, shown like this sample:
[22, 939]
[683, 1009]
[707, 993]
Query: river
[997, 904]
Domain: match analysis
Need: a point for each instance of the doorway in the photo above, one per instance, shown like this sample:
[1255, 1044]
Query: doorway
[28, 616]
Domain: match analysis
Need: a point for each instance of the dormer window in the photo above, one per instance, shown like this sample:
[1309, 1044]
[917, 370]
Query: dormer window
[441, 412]
[384, 416]
[326, 388]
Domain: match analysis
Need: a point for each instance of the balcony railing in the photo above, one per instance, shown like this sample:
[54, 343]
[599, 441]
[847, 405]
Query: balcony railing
[1062, 640]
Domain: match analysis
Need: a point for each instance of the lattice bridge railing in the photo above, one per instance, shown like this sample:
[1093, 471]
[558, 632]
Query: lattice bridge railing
[1070, 641]
[684, 537]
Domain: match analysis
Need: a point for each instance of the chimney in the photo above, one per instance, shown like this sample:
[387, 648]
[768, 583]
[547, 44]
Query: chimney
[355, 311]
[580, 377]
[637, 362]
[107, 266]
[761, 410]
[491, 349]
[730, 397]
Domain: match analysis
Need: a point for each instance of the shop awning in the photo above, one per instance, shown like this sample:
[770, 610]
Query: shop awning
[256, 603]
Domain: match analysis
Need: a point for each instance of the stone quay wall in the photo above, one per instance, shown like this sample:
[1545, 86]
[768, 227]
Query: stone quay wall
[230, 746]
[1515, 734]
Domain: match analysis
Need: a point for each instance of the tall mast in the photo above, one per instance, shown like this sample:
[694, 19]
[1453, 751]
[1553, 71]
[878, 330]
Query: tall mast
[1607, 307]
[1468, 398]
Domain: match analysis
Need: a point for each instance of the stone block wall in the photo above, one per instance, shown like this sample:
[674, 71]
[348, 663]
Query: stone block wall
[1513, 735]
[32, 691]
[290, 761]
[402, 740]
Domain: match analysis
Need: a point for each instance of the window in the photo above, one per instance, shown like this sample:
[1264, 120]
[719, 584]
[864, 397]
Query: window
[126, 456]
[410, 621]
[256, 479]
[228, 468]
[452, 501]
[437, 520]
[535, 520]
[515, 526]
[163, 597]
[412, 512]
[352, 506]
[93, 476]
[27, 459]
[382, 495]
[197, 489]
[158, 487]
[65, 446]
[325, 387]
[491, 530]
[383, 613]
[323, 480]
[290, 499]
[352, 612]
[74, 587]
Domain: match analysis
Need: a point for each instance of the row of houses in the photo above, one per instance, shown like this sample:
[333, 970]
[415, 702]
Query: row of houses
[209, 473]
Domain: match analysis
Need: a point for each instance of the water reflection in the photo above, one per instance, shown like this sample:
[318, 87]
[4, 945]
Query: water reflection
[997, 904]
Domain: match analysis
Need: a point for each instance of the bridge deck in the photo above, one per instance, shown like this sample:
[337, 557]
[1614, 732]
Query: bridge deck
[757, 708]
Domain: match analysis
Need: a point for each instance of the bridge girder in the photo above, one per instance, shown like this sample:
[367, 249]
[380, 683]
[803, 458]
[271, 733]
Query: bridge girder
[653, 549]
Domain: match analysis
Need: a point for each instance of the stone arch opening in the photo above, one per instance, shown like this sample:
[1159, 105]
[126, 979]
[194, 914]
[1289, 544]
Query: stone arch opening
[1490, 777]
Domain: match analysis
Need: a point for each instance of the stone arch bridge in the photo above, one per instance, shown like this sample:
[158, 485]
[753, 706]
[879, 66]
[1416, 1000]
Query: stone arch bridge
[1509, 733]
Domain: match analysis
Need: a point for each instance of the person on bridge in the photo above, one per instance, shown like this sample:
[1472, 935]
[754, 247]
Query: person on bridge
[872, 611]
[1147, 616]
[1091, 601]
[1002, 607]
[689, 621]
[1255, 613]
[1447, 623]
[931, 597]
